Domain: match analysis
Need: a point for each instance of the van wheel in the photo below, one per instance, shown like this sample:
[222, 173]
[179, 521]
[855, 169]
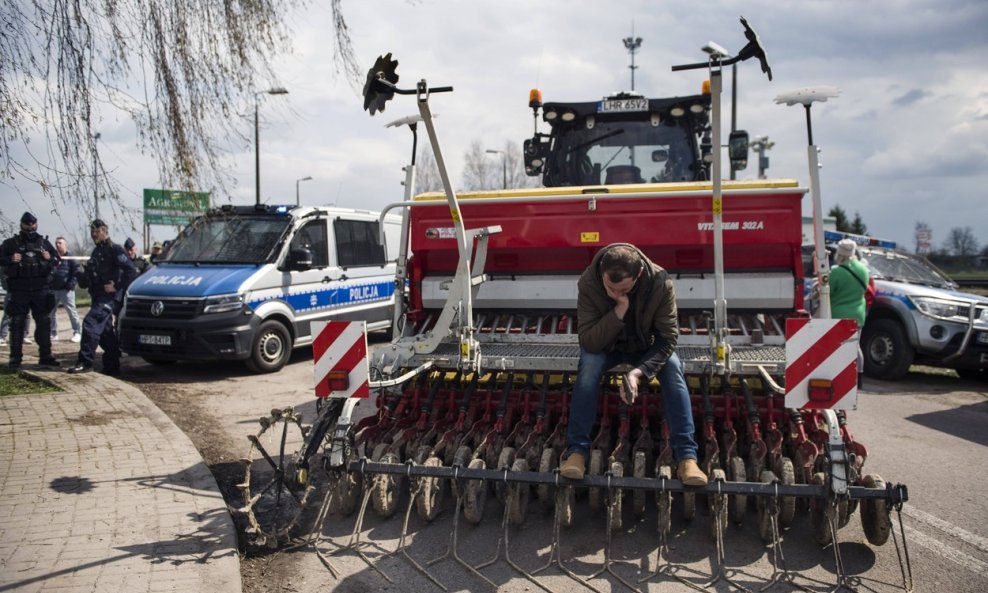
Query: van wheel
[887, 352]
[270, 349]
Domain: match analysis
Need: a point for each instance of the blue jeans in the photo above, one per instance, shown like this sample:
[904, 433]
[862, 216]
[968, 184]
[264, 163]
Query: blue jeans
[67, 298]
[675, 401]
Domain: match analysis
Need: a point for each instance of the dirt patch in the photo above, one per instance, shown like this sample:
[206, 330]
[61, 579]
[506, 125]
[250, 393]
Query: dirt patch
[94, 418]
[260, 570]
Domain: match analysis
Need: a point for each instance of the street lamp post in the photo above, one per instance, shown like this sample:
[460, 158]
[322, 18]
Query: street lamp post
[504, 166]
[257, 152]
[306, 178]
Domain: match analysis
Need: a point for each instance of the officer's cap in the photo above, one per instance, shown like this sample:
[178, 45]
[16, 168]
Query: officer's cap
[28, 218]
[97, 223]
[129, 243]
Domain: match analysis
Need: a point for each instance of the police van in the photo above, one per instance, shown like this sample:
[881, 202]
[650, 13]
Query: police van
[246, 283]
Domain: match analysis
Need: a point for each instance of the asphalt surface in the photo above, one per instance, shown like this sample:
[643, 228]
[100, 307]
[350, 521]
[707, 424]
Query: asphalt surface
[100, 491]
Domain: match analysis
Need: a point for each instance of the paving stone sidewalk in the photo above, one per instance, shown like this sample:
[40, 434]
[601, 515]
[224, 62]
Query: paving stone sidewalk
[100, 491]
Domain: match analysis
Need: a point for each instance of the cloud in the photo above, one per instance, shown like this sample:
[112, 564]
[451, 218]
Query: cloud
[913, 96]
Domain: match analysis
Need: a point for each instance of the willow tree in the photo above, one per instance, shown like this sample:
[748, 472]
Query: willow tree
[179, 69]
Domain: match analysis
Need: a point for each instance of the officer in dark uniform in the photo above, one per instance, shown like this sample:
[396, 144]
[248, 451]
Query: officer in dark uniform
[28, 259]
[140, 264]
[107, 276]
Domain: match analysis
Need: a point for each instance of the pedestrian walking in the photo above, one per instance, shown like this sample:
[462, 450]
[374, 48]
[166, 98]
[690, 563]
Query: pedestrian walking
[64, 278]
[106, 275]
[28, 259]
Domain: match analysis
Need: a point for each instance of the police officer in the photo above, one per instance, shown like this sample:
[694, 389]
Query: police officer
[107, 276]
[140, 264]
[28, 259]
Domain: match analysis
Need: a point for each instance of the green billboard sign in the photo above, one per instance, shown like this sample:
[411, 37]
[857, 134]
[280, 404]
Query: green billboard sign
[166, 206]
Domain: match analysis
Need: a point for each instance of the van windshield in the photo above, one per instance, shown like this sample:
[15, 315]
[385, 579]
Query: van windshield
[229, 240]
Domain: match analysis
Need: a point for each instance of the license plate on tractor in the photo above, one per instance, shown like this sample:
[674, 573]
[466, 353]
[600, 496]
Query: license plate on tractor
[154, 340]
[616, 105]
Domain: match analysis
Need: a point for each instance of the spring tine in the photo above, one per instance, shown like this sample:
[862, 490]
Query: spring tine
[453, 551]
[355, 544]
[612, 495]
[402, 548]
[722, 570]
[843, 580]
[781, 573]
[555, 549]
[907, 584]
[510, 500]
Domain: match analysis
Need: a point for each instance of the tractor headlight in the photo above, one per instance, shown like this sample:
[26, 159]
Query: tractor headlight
[223, 303]
[941, 308]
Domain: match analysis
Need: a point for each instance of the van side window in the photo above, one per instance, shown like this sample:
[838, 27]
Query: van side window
[357, 243]
[312, 236]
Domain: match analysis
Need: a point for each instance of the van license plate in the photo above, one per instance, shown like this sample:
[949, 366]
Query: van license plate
[154, 340]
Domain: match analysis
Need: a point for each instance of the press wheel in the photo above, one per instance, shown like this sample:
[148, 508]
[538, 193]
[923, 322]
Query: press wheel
[504, 462]
[565, 500]
[547, 465]
[462, 459]
[718, 507]
[517, 494]
[615, 502]
[822, 511]
[639, 471]
[787, 504]
[875, 519]
[385, 488]
[348, 487]
[474, 495]
[765, 510]
[737, 503]
[432, 493]
[595, 496]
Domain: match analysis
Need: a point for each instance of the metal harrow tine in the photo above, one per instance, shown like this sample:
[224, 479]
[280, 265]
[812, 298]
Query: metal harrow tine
[722, 571]
[843, 580]
[907, 584]
[781, 573]
[508, 501]
[313, 537]
[555, 549]
[611, 500]
[355, 544]
[452, 549]
[402, 548]
[667, 569]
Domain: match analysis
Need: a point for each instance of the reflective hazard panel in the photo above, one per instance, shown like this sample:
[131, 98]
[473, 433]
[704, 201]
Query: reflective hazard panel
[821, 364]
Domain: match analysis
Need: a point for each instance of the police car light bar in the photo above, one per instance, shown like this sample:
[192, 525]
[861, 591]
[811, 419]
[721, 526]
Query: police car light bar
[865, 241]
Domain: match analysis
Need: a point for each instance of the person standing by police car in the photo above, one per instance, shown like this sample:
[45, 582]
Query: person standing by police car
[107, 275]
[28, 259]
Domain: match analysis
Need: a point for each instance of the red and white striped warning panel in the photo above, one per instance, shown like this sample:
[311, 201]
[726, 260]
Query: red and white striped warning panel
[821, 364]
[339, 354]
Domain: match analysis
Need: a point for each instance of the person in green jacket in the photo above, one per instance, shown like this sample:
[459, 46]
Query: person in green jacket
[626, 313]
[848, 283]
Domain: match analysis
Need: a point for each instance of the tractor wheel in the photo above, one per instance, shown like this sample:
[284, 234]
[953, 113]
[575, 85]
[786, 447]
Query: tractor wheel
[639, 471]
[787, 504]
[764, 511]
[718, 507]
[595, 495]
[737, 503]
[663, 499]
[504, 462]
[886, 348]
[517, 494]
[875, 518]
[461, 458]
[270, 348]
[615, 498]
[822, 512]
[385, 496]
[547, 492]
[475, 495]
[432, 494]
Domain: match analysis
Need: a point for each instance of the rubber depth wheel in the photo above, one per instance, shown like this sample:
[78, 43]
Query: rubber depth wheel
[348, 487]
[595, 496]
[737, 503]
[875, 519]
[270, 348]
[887, 352]
[821, 513]
[718, 507]
[787, 504]
[547, 492]
[475, 495]
[638, 469]
[385, 496]
[615, 502]
[432, 493]
[663, 500]
[802, 502]
[274, 492]
[461, 458]
[517, 494]
[764, 506]
[504, 462]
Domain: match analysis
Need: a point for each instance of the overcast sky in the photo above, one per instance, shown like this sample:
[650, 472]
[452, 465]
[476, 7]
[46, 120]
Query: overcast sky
[906, 141]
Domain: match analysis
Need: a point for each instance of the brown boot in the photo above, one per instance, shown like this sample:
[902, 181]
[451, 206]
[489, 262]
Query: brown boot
[689, 473]
[573, 466]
